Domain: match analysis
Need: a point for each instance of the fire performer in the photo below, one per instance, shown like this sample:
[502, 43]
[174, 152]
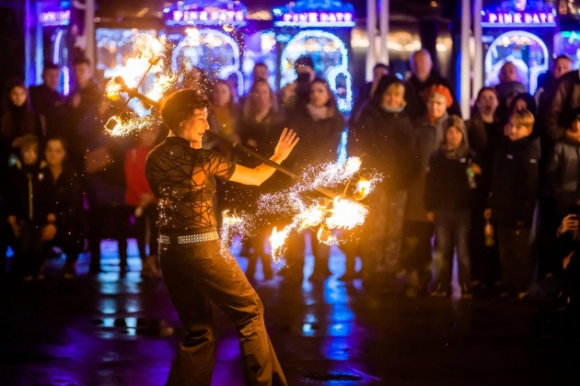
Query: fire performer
[196, 272]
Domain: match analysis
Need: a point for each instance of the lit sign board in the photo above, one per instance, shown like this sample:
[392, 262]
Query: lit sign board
[510, 19]
[214, 17]
[315, 19]
[54, 18]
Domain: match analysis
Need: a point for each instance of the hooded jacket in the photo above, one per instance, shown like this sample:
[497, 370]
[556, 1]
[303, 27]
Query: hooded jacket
[385, 139]
[447, 185]
[319, 139]
[64, 199]
[26, 198]
[564, 173]
[515, 182]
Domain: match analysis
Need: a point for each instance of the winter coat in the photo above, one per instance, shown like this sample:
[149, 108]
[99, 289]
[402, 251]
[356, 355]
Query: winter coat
[416, 98]
[484, 139]
[65, 201]
[564, 173]
[319, 139]
[107, 185]
[515, 182]
[428, 138]
[563, 103]
[265, 133]
[446, 186]
[387, 141]
[26, 199]
[17, 122]
[50, 105]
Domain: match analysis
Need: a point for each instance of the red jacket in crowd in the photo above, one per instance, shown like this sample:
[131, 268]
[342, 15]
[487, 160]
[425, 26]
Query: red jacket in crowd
[137, 184]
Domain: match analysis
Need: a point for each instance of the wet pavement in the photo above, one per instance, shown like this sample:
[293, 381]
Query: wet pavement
[108, 330]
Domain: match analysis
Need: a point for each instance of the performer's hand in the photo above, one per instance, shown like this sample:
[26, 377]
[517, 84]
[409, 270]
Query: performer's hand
[286, 144]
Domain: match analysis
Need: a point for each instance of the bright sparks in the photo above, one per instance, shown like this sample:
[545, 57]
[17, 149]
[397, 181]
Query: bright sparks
[328, 216]
[147, 51]
[234, 224]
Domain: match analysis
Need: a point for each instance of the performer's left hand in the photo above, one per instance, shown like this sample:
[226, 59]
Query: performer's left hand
[286, 144]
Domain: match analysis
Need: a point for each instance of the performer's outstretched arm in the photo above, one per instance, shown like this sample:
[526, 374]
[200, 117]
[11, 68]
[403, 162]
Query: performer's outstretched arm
[261, 173]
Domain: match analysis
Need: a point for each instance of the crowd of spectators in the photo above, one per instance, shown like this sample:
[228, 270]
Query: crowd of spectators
[498, 191]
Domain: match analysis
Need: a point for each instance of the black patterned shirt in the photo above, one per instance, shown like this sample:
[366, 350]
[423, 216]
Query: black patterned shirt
[183, 180]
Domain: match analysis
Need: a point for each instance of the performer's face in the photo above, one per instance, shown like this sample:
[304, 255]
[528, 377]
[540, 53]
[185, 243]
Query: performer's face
[195, 127]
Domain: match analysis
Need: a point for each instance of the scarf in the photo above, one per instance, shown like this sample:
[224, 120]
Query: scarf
[457, 153]
[317, 113]
[393, 109]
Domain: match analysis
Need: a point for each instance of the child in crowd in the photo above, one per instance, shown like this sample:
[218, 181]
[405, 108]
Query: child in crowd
[448, 197]
[514, 192]
[26, 207]
[140, 197]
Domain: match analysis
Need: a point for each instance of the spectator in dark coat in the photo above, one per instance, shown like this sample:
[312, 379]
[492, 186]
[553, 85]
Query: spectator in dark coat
[561, 66]
[27, 210]
[296, 95]
[83, 101]
[509, 81]
[448, 199]
[48, 103]
[429, 134]
[105, 183]
[513, 197]
[508, 88]
[563, 104]
[423, 78]
[260, 126]
[18, 119]
[367, 91]
[485, 133]
[62, 186]
[319, 125]
[384, 133]
[564, 169]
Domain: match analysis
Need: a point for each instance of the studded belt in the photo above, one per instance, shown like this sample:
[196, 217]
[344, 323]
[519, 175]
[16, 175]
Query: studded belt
[189, 239]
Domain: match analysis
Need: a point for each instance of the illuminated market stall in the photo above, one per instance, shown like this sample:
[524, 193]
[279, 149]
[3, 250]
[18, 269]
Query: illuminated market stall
[320, 29]
[521, 32]
[207, 35]
[54, 40]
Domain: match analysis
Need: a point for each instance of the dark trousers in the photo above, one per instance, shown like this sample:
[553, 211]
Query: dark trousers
[452, 233]
[417, 255]
[146, 232]
[382, 238]
[514, 254]
[28, 258]
[197, 275]
[107, 221]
